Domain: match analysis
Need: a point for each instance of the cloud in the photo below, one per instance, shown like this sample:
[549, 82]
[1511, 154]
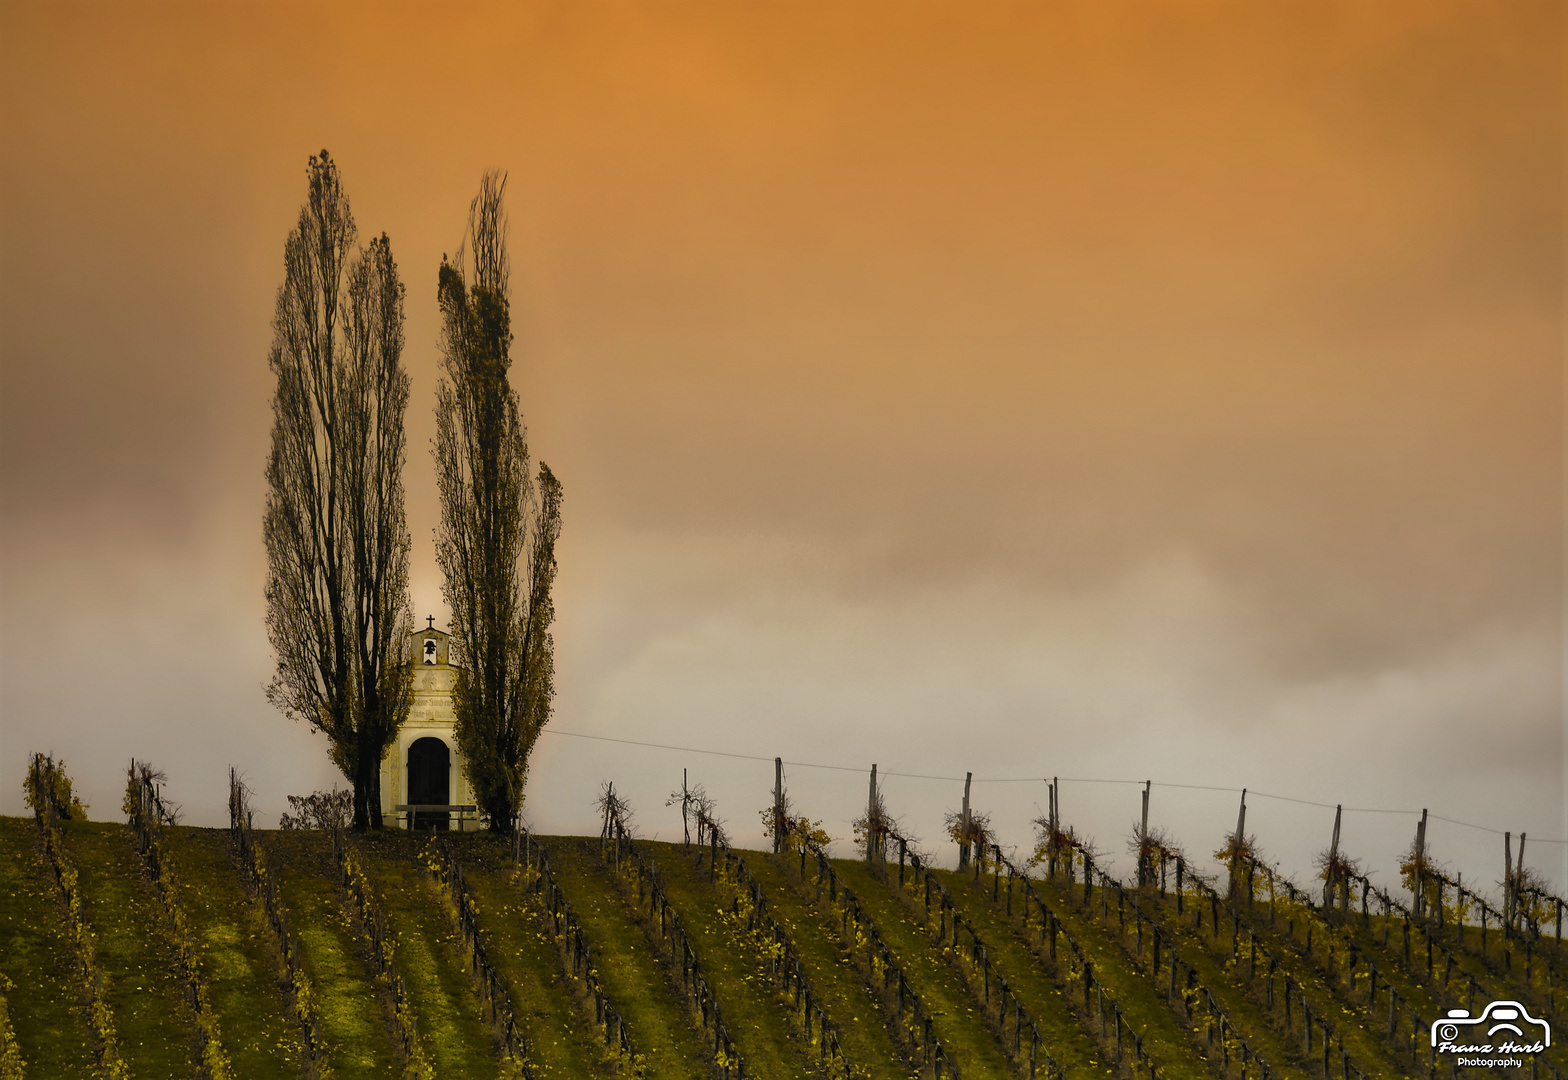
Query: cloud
[1150, 390]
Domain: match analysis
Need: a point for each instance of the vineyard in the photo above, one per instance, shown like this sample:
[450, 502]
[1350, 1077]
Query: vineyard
[153, 949]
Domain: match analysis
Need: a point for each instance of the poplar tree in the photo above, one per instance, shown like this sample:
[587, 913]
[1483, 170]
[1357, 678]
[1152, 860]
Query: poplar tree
[499, 525]
[338, 613]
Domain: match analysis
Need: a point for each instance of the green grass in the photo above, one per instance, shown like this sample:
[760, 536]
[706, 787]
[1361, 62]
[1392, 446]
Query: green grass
[1364, 1027]
[354, 1008]
[1359, 1028]
[261, 1035]
[1166, 1037]
[36, 954]
[1412, 987]
[562, 1041]
[771, 1044]
[958, 1019]
[1499, 963]
[1066, 1034]
[1498, 966]
[1363, 1030]
[431, 957]
[848, 999]
[243, 973]
[155, 1026]
[632, 974]
[1262, 1032]
[1287, 925]
[1430, 994]
[1499, 973]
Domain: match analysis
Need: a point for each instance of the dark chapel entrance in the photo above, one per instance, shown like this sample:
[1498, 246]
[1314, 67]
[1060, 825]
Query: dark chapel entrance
[429, 781]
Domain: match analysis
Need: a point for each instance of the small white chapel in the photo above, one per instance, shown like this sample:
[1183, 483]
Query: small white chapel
[422, 766]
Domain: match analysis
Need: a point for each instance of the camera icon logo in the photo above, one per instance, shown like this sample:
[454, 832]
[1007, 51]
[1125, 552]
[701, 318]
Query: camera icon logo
[1507, 1018]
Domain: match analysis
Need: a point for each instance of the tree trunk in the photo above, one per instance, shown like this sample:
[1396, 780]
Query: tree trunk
[373, 808]
[367, 789]
[501, 814]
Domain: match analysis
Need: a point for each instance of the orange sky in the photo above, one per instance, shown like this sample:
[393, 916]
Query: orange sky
[1175, 388]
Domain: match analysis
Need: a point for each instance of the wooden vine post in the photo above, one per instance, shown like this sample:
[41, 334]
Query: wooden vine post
[778, 806]
[1236, 843]
[1519, 880]
[1508, 881]
[604, 828]
[1143, 838]
[873, 820]
[1333, 863]
[1053, 823]
[1420, 867]
[963, 826]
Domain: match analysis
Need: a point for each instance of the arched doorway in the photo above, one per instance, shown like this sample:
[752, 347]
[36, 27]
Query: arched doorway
[429, 781]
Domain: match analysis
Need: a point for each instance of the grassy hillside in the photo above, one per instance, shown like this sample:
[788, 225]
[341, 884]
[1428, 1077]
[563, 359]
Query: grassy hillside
[432, 960]
[36, 957]
[742, 922]
[242, 972]
[643, 987]
[559, 1045]
[356, 1012]
[868, 1035]
[155, 1022]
